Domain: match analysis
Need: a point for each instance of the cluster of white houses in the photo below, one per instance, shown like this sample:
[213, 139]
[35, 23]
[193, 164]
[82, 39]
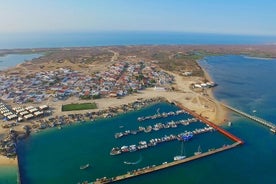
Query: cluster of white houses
[21, 113]
[120, 79]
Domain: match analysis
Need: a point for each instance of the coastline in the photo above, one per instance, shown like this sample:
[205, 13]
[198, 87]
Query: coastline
[221, 113]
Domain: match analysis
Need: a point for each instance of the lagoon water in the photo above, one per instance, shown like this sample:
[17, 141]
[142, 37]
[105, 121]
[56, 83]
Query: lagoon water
[11, 60]
[54, 156]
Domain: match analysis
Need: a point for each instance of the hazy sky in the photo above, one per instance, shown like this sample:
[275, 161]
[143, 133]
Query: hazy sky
[215, 16]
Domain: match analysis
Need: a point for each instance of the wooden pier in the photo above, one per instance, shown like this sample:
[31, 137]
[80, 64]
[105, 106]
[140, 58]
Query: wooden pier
[254, 118]
[165, 165]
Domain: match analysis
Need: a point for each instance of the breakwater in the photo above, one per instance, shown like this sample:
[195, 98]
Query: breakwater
[154, 168]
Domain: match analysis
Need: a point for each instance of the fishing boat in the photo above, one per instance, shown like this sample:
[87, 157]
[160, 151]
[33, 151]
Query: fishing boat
[198, 152]
[181, 156]
[84, 166]
[229, 123]
[115, 151]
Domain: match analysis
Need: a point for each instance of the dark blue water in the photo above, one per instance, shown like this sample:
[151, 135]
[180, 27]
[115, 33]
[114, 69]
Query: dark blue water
[248, 84]
[47, 40]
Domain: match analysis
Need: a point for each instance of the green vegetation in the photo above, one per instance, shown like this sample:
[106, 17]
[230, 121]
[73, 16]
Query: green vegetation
[75, 107]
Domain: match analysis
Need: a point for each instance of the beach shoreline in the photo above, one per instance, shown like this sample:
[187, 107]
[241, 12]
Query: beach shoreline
[5, 161]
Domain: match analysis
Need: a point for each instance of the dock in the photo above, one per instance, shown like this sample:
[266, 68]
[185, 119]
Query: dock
[165, 165]
[254, 118]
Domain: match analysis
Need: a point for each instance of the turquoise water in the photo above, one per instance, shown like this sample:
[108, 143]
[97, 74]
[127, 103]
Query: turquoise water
[8, 174]
[11, 60]
[54, 156]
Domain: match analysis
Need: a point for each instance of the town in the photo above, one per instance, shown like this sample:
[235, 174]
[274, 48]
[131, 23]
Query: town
[120, 79]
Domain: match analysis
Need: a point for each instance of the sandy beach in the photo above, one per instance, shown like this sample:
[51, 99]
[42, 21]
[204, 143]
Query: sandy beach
[4, 161]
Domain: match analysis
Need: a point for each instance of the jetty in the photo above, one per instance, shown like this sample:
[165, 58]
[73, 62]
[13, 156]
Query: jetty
[154, 168]
[254, 118]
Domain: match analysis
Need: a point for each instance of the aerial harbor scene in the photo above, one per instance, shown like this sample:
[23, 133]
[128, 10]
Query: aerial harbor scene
[139, 92]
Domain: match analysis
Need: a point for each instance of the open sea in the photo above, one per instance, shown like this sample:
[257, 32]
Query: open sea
[55, 156]
[106, 38]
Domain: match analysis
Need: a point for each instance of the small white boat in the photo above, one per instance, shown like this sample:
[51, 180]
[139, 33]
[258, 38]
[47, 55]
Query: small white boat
[84, 167]
[198, 152]
[181, 156]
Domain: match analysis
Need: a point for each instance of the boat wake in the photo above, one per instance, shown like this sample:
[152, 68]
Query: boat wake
[134, 163]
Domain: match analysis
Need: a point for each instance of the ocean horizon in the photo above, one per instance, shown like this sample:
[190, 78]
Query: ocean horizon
[118, 38]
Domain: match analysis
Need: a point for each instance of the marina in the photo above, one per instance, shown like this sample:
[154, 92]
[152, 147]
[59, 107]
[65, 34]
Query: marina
[179, 159]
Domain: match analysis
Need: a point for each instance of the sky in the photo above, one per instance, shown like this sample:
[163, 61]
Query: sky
[246, 17]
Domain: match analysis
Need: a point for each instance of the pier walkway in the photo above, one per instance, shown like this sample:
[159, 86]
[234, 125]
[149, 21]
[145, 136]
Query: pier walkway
[254, 118]
[165, 165]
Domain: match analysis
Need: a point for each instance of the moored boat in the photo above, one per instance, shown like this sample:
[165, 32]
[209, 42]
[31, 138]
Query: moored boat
[178, 157]
[181, 156]
[198, 152]
[115, 151]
